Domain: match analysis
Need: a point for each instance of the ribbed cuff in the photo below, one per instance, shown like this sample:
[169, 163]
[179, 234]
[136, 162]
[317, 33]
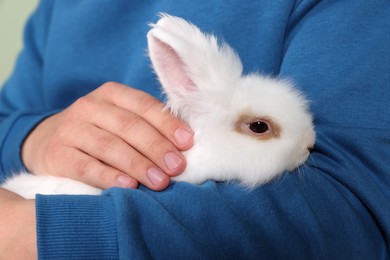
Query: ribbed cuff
[76, 227]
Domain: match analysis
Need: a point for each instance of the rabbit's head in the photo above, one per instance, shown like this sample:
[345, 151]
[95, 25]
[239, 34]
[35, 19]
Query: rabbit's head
[244, 124]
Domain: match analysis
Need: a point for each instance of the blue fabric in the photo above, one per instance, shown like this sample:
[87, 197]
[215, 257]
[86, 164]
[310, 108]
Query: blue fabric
[336, 207]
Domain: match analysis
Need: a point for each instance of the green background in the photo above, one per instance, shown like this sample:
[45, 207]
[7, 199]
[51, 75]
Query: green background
[13, 15]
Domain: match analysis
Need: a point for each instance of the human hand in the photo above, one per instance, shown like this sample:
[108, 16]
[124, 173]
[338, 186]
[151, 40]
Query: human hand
[17, 227]
[114, 136]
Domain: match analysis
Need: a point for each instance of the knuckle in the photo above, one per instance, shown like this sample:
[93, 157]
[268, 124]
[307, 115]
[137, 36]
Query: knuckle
[84, 107]
[83, 167]
[84, 102]
[108, 87]
[109, 84]
[127, 123]
[102, 175]
[95, 174]
[146, 103]
[81, 107]
[157, 146]
[105, 143]
[134, 164]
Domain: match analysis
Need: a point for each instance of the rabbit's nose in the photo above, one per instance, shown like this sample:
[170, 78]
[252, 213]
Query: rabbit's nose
[310, 148]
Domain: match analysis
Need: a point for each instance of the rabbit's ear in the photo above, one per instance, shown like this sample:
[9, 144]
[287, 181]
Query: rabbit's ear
[187, 60]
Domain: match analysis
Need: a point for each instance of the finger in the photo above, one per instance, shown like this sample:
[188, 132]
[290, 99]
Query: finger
[152, 110]
[115, 152]
[82, 167]
[140, 135]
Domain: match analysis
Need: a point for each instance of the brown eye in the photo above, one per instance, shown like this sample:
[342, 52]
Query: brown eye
[259, 127]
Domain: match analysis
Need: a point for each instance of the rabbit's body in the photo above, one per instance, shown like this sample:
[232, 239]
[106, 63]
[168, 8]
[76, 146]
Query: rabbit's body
[248, 128]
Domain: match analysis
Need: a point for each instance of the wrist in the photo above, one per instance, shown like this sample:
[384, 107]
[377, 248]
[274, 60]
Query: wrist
[18, 227]
[31, 148]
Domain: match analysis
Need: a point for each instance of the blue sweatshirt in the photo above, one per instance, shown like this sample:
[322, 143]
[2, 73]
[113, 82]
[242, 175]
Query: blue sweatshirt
[336, 207]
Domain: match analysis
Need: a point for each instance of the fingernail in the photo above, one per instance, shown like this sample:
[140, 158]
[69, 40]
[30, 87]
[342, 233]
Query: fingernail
[124, 181]
[155, 176]
[183, 136]
[172, 161]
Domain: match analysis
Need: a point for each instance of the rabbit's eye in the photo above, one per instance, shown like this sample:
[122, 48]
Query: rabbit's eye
[259, 127]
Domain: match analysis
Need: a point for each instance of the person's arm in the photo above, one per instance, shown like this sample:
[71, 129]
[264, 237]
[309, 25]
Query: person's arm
[113, 136]
[338, 208]
[17, 227]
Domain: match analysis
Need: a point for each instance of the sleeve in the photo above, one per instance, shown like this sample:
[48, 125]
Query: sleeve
[337, 206]
[22, 103]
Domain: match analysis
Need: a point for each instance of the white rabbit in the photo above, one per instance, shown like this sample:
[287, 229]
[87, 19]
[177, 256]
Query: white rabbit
[248, 128]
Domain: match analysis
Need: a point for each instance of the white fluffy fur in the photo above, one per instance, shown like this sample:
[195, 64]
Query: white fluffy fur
[205, 87]
[28, 185]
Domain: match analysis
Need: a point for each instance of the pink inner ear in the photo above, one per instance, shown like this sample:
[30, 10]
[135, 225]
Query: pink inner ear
[171, 69]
